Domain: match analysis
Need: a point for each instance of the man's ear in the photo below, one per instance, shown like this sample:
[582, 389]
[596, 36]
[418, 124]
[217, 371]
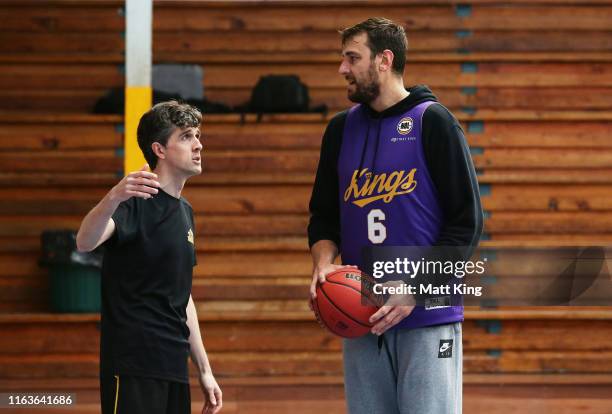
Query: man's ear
[386, 61]
[159, 150]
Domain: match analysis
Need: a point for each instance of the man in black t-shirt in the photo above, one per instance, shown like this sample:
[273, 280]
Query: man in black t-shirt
[149, 321]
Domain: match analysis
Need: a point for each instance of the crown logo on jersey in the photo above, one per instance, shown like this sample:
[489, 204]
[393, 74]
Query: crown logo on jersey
[405, 125]
[379, 187]
[190, 236]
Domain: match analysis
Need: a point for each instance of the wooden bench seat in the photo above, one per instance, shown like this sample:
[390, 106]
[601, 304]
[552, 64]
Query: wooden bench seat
[310, 15]
[273, 311]
[310, 363]
[20, 118]
[90, 385]
[499, 176]
[316, 15]
[504, 393]
[298, 310]
[226, 132]
[210, 40]
[580, 222]
[294, 199]
[509, 329]
[314, 363]
[482, 74]
[20, 76]
[31, 244]
[295, 161]
[231, 57]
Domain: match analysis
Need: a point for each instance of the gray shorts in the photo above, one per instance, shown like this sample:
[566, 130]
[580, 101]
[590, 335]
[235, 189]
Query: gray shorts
[416, 371]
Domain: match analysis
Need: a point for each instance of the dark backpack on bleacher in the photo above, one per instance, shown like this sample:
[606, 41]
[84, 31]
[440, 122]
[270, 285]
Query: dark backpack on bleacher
[113, 102]
[279, 93]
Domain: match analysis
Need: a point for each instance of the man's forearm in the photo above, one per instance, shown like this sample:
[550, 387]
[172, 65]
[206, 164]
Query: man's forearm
[323, 252]
[196, 346]
[95, 223]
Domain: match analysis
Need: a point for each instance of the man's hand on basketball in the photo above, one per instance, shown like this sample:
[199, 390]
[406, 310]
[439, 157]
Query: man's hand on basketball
[318, 275]
[142, 183]
[213, 397]
[392, 312]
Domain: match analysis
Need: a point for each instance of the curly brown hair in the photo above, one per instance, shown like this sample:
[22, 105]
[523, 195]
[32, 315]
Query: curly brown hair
[160, 121]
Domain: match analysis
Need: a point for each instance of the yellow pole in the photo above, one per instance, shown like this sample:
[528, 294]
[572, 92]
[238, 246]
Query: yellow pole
[138, 62]
[137, 101]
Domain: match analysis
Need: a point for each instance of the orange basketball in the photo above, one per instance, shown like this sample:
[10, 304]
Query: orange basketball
[340, 305]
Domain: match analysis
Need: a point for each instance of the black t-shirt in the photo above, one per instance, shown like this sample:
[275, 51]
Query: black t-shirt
[146, 283]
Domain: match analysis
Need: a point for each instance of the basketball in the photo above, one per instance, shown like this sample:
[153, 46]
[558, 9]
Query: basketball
[340, 306]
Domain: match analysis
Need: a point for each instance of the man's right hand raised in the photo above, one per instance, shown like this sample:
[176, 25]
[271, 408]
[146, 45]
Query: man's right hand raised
[98, 226]
[142, 183]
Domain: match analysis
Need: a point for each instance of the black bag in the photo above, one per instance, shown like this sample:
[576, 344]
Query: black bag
[113, 102]
[59, 248]
[278, 94]
[209, 107]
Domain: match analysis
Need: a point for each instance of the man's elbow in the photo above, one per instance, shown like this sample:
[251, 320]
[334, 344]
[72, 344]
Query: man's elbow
[82, 246]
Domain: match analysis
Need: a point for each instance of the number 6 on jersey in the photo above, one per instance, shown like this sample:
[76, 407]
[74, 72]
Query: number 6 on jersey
[377, 232]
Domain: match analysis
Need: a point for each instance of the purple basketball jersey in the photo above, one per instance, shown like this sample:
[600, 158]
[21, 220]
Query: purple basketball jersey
[387, 197]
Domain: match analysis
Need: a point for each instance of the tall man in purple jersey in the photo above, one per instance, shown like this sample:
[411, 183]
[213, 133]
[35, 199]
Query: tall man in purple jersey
[426, 194]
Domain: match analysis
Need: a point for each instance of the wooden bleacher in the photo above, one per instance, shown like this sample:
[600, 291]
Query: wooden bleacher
[529, 80]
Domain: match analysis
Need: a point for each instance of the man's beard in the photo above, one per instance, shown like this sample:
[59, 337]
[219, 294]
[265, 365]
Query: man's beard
[368, 90]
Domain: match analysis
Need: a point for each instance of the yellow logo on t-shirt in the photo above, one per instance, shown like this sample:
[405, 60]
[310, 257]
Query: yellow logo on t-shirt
[379, 186]
[190, 236]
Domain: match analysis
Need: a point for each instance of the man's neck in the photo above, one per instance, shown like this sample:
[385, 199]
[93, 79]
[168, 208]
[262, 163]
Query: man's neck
[171, 184]
[390, 94]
